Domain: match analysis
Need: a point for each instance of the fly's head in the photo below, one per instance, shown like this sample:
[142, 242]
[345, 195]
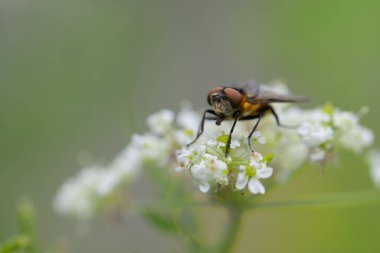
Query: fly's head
[225, 101]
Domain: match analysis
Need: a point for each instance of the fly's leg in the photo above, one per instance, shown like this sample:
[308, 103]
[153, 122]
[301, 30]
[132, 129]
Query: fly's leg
[270, 108]
[252, 131]
[230, 136]
[201, 126]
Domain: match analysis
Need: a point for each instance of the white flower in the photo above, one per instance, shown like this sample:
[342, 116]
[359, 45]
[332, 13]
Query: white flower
[188, 118]
[123, 168]
[82, 195]
[128, 161]
[259, 137]
[289, 158]
[186, 156]
[252, 174]
[234, 144]
[208, 171]
[315, 134]
[357, 138]
[152, 147]
[373, 159]
[187, 121]
[317, 116]
[344, 120]
[77, 195]
[161, 122]
[183, 137]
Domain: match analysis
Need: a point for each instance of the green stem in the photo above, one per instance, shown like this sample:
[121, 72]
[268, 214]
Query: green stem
[232, 230]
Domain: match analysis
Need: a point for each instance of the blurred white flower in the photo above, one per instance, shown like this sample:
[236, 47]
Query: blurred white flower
[187, 121]
[373, 159]
[77, 195]
[315, 134]
[344, 120]
[292, 156]
[188, 118]
[161, 122]
[357, 138]
[352, 135]
[234, 144]
[82, 195]
[151, 147]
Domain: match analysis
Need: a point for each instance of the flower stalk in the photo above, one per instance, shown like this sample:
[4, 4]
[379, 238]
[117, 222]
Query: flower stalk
[235, 215]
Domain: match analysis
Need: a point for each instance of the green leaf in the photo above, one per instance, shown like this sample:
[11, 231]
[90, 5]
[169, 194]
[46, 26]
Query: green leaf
[223, 138]
[161, 221]
[26, 220]
[19, 242]
[26, 217]
[268, 158]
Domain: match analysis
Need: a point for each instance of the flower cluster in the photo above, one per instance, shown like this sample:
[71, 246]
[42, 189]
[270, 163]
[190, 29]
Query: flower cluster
[95, 185]
[306, 136]
[84, 194]
[210, 168]
[316, 134]
[320, 129]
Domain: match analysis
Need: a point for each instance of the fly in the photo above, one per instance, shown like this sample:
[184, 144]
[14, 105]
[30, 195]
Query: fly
[242, 102]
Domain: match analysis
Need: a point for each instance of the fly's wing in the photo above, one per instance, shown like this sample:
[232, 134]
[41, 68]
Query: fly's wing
[267, 96]
[249, 88]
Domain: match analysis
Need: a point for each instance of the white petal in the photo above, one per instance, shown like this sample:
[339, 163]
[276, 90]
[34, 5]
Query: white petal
[204, 187]
[188, 118]
[241, 181]
[212, 142]
[160, 122]
[234, 144]
[254, 164]
[257, 156]
[220, 165]
[255, 186]
[198, 171]
[265, 172]
[262, 140]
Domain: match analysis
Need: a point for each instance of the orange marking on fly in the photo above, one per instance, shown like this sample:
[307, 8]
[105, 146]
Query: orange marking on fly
[250, 109]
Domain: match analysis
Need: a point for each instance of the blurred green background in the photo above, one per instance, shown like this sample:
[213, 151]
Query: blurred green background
[82, 76]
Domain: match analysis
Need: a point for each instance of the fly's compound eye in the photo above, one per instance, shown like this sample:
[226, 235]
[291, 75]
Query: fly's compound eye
[234, 96]
[209, 95]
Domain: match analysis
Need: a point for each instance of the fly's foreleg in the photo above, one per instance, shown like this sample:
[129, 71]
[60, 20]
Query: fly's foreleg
[201, 125]
[252, 131]
[228, 144]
